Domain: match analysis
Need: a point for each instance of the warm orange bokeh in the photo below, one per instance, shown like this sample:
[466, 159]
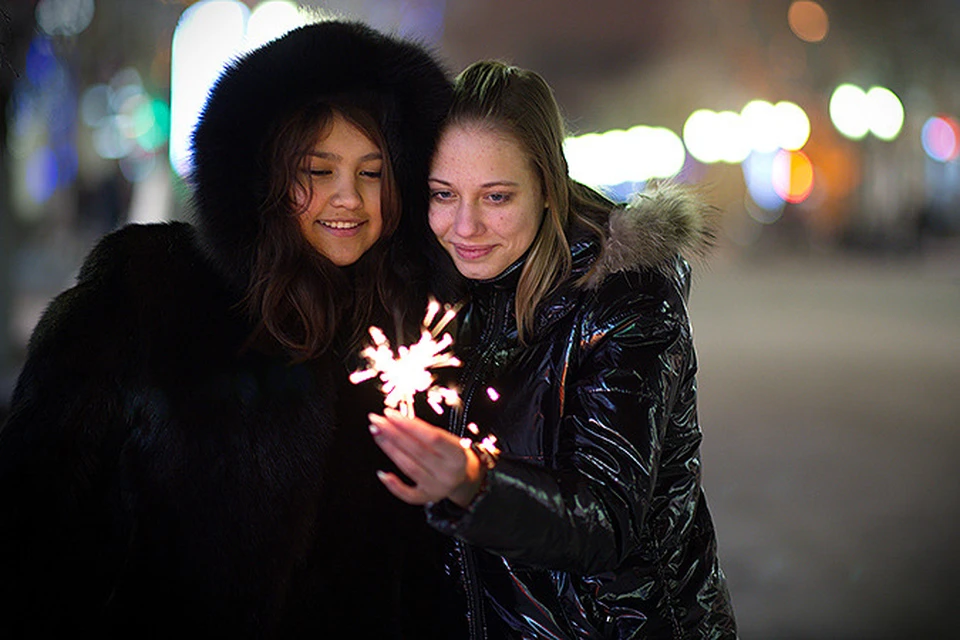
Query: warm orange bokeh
[792, 176]
[808, 21]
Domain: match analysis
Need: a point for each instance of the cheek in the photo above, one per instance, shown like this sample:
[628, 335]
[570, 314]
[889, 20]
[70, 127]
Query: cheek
[522, 228]
[301, 196]
[375, 214]
[305, 224]
[439, 221]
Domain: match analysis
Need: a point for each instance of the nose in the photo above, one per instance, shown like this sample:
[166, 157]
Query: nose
[466, 221]
[346, 195]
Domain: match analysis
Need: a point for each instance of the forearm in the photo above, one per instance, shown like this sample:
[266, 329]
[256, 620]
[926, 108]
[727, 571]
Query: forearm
[538, 517]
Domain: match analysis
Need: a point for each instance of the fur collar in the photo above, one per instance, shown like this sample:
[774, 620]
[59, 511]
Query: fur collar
[665, 220]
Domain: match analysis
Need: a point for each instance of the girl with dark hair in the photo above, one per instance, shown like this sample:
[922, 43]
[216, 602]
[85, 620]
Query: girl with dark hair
[589, 521]
[183, 454]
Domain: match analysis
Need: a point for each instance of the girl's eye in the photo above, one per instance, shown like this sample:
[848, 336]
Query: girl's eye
[441, 195]
[319, 172]
[498, 198]
[371, 174]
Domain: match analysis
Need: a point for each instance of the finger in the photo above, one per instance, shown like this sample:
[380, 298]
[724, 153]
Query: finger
[385, 431]
[430, 457]
[396, 486]
[433, 440]
[437, 470]
[394, 446]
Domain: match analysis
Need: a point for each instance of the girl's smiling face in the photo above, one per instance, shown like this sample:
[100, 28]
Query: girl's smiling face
[340, 209]
[486, 202]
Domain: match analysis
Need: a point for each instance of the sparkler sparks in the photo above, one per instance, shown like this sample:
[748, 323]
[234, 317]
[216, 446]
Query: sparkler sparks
[407, 373]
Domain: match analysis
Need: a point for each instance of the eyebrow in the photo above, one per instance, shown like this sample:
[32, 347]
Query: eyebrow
[495, 183]
[327, 155]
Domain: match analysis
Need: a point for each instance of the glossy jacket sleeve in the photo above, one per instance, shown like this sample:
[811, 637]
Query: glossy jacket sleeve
[586, 511]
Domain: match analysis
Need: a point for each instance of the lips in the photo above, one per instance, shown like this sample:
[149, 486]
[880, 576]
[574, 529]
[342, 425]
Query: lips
[341, 224]
[341, 228]
[472, 252]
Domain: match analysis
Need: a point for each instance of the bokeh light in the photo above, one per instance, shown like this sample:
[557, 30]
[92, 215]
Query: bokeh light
[155, 118]
[855, 112]
[42, 175]
[41, 63]
[761, 125]
[64, 17]
[792, 175]
[42, 127]
[758, 176]
[940, 138]
[793, 125]
[808, 21]
[884, 112]
[717, 136]
[270, 20]
[95, 104]
[614, 157]
[848, 111]
[207, 36]
[125, 120]
[698, 136]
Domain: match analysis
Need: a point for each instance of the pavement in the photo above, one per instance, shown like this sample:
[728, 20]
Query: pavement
[830, 404]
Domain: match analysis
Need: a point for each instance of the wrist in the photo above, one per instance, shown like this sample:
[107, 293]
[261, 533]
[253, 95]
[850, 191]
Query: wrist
[470, 488]
[480, 462]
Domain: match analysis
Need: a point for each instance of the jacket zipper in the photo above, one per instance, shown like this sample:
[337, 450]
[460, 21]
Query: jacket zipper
[497, 323]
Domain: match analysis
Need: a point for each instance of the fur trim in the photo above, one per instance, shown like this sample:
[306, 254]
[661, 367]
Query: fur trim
[308, 64]
[665, 220]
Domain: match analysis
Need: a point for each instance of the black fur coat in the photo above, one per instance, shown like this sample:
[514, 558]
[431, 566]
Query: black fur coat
[158, 480]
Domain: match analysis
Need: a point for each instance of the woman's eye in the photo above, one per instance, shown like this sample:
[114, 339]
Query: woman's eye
[441, 195]
[498, 198]
[319, 172]
[371, 174]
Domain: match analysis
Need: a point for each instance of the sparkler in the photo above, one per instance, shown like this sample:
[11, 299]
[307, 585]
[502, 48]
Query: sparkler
[407, 373]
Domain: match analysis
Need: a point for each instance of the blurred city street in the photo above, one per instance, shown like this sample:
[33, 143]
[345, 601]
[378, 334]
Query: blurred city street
[829, 402]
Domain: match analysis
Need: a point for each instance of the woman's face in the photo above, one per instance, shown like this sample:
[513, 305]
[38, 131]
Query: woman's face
[340, 212]
[486, 203]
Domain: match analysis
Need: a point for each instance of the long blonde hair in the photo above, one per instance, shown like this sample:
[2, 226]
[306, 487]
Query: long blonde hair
[519, 103]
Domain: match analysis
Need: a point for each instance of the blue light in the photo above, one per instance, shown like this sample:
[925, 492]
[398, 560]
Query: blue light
[41, 175]
[758, 174]
[67, 163]
[41, 62]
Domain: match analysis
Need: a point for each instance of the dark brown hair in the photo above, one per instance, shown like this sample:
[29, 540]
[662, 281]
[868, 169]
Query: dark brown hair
[296, 295]
[519, 103]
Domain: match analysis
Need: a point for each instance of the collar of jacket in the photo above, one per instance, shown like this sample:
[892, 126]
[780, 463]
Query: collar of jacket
[665, 221]
[505, 280]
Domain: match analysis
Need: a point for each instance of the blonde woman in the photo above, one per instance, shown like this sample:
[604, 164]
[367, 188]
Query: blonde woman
[591, 522]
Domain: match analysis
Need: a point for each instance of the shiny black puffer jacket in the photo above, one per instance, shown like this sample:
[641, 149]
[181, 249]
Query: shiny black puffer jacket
[593, 523]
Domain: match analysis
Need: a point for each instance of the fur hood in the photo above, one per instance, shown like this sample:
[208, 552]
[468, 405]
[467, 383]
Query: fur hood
[308, 64]
[665, 220]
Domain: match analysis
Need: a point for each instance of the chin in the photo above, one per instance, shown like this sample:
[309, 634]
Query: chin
[475, 273]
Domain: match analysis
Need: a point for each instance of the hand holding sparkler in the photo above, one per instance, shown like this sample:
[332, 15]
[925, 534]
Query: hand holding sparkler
[440, 464]
[437, 462]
